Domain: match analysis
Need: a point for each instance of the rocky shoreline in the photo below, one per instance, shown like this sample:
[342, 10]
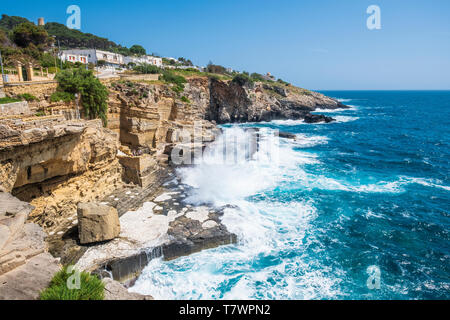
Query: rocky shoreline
[164, 227]
[55, 163]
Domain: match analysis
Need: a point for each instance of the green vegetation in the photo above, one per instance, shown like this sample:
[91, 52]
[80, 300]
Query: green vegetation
[9, 22]
[243, 79]
[91, 287]
[283, 82]
[185, 99]
[147, 69]
[62, 96]
[27, 97]
[213, 68]
[40, 114]
[93, 93]
[185, 62]
[138, 50]
[27, 33]
[171, 77]
[21, 40]
[8, 100]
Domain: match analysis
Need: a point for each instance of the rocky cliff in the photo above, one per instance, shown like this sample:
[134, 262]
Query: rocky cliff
[231, 102]
[54, 162]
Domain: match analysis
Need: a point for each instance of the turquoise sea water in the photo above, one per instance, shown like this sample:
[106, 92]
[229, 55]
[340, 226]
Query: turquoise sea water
[370, 190]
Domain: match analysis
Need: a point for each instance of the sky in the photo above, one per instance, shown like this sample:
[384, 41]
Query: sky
[315, 44]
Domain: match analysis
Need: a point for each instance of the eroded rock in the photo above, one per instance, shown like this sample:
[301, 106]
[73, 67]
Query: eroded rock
[97, 223]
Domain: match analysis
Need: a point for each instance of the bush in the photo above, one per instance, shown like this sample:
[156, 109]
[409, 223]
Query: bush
[94, 94]
[242, 79]
[185, 99]
[147, 69]
[283, 82]
[62, 96]
[8, 100]
[177, 80]
[257, 77]
[27, 97]
[212, 68]
[91, 287]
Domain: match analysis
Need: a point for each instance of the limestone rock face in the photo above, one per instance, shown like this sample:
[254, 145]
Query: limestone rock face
[97, 223]
[54, 164]
[25, 266]
[230, 102]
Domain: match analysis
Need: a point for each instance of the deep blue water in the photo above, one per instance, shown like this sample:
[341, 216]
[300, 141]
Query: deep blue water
[372, 189]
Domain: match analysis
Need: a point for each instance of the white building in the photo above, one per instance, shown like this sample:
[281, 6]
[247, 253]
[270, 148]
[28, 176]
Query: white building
[144, 60]
[72, 57]
[111, 60]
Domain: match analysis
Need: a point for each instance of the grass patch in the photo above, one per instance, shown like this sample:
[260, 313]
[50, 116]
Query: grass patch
[91, 287]
[176, 79]
[185, 99]
[62, 96]
[27, 97]
[8, 100]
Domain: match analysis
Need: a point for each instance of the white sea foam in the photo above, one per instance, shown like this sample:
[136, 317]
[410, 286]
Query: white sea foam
[254, 269]
[343, 100]
[309, 141]
[341, 119]
[227, 272]
[433, 183]
[222, 183]
[352, 108]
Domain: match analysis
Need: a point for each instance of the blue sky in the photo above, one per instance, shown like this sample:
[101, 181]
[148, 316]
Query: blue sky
[316, 44]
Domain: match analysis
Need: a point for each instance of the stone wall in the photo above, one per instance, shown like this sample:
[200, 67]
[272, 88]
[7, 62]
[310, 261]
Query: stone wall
[41, 90]
[15, 108]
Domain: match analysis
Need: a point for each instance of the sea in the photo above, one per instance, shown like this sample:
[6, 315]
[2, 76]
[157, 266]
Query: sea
[354, 209]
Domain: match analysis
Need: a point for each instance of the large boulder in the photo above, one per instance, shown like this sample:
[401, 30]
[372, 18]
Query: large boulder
[97, 223]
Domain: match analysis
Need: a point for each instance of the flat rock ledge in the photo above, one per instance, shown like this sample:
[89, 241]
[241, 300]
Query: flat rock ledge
[163, 228]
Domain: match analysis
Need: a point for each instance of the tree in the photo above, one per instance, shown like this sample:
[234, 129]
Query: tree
[94, 94]
[212, 68]
[185, 62]
[8, 23]
[27, 33]
[137, 49]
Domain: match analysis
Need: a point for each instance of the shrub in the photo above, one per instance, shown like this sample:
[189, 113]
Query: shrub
[177, 80]
[242, 79]
[94, 94]
[147, 69]
[27, 97]
[257, 77]
[8, 100]
[212, 68]
[91, 288]
[185, 99]
[62, 96]
[283, 82]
